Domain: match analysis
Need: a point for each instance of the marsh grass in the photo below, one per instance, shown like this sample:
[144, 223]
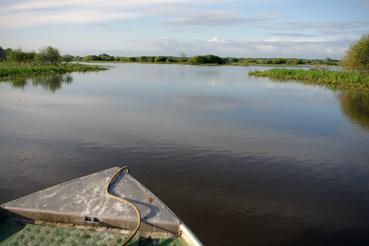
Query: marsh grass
[11, 70]
[328, 78]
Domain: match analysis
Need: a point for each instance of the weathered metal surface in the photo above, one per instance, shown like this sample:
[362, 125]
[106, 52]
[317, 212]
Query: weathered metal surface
[83, 201]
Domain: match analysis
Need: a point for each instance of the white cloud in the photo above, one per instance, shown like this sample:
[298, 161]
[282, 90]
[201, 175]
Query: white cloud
[70, 16]
[49, 12]
[210, 18]
[320, 29]
[191, 26]
[45, 12]
[46, 4]
[216, 40]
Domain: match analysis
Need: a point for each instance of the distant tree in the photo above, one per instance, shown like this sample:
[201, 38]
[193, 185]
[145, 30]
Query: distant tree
[245, 61]
[357, 56]
[294, 61]
[49, 55]
[67, 58]
[160, 59]
[77, 58]
[279, 61]
[143, 59]
[211, 59]
[105, 57]
[91, 58]
[124, 59]
[2, 54]
[182, 57]
[268, 61]
[198, 60]
[19, 56]
[170, 60]
[231, 60]
[208, 59]
[7, 53]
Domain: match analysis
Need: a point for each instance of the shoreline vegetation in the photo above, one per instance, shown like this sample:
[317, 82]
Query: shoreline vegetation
[15, 70]
[48, 61]
[50, 55]
[329, 78]
[205, 60]
[356, 75]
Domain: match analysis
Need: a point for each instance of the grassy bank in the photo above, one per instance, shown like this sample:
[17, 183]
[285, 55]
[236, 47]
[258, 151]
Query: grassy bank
[9, 70]
[332, 79]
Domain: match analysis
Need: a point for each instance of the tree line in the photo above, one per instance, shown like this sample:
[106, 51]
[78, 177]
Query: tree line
[51, 55]
[356, 58]
[206, 59]
[45, 56]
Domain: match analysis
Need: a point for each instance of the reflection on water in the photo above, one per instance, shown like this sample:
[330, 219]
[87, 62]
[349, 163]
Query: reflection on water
[355, 105]
[49, 83]
[242, 160]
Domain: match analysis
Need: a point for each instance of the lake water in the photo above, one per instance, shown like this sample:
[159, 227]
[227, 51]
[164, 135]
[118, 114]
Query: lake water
[242, 160]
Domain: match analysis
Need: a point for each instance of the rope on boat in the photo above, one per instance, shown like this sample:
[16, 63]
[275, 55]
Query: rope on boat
[122, 200]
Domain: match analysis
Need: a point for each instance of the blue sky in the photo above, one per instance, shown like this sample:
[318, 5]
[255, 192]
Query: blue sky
[247, 28]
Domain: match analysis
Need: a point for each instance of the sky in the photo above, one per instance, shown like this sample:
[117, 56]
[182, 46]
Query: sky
[238, 28]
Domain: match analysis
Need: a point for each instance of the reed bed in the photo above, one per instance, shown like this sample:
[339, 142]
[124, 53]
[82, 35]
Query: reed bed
[329, 78]
[13, 70]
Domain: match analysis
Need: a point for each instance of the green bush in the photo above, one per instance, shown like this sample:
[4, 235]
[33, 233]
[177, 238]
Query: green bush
[91, 58]
[48, 55]
[160, 59]
[143, 59]
[2, 54]
[357, 56]
[67, 58]
[19, 56]
[208, 59]
[170, 60]
[105, 57]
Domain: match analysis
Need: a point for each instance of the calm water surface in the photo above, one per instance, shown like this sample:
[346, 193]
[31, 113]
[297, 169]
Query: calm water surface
[242, 160]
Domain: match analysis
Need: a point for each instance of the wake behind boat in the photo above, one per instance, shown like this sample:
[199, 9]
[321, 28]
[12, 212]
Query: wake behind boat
[109, 207]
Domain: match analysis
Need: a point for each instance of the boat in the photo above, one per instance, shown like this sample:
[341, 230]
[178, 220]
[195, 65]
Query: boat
[109, 207]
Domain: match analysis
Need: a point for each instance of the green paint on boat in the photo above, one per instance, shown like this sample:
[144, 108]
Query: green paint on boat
[14, 234]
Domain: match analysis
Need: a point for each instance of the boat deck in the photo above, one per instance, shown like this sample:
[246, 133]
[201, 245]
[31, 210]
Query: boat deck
[81, 209]
[84, 201]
